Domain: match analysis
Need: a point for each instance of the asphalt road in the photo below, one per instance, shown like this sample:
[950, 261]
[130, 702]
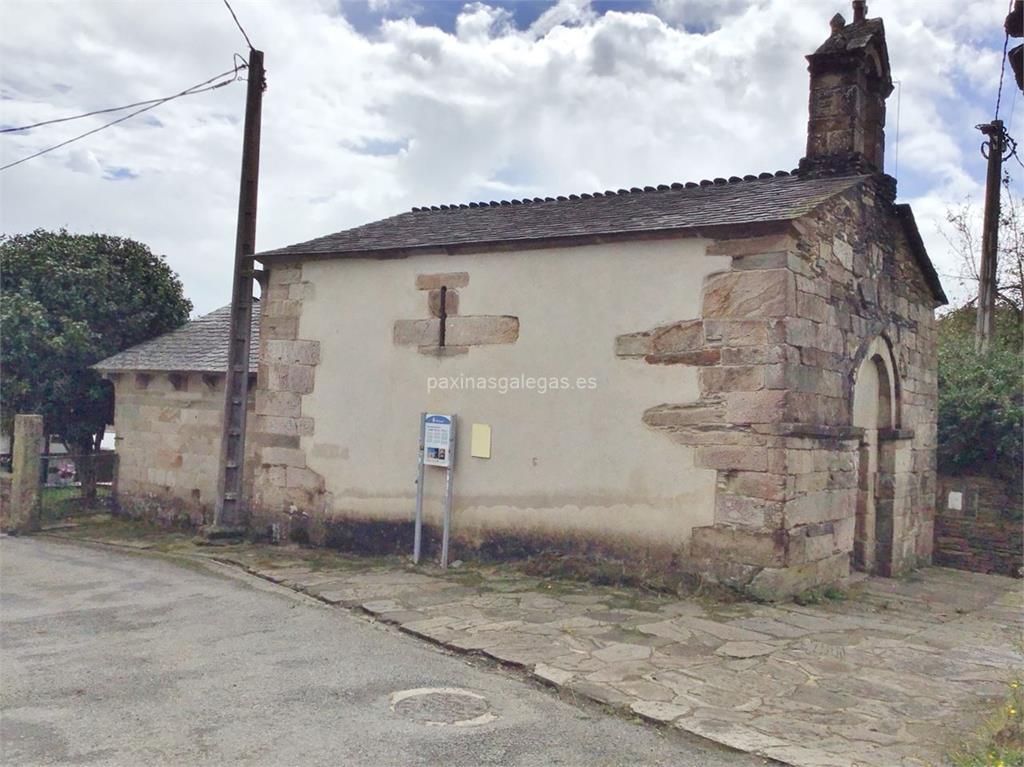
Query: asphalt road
[117, 659]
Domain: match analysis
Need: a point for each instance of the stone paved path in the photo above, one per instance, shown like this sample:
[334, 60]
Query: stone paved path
[885, 678]
[893, 675]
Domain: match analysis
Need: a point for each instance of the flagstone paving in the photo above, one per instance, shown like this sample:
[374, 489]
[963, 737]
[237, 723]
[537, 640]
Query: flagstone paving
[892, 675]
[885, 677]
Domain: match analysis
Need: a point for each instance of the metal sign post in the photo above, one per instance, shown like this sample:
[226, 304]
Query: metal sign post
[448, 496]
[437, 448]
[418, 535]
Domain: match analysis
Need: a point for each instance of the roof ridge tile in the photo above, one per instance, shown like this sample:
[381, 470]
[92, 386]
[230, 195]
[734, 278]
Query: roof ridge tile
[674, 186]
[782, 195]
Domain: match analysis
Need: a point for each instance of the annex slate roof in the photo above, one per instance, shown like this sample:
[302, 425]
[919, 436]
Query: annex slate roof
[198, 346]
[722, 202]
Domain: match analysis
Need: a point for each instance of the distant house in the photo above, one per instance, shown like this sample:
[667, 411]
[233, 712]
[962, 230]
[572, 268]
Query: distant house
[733, 378]
[169, 402]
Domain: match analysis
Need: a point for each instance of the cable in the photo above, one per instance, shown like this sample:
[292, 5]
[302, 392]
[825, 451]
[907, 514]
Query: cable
[189, 92]
[121, 108]
[238, 24]
[1002, 64]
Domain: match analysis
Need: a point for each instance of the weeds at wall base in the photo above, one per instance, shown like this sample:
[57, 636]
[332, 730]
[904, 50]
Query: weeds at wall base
[1000, 740]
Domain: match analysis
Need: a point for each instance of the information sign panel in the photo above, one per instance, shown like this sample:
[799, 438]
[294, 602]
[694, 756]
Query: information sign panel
[437, 441]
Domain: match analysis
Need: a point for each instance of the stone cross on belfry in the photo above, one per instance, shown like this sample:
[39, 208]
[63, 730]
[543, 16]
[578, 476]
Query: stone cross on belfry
[446, 332]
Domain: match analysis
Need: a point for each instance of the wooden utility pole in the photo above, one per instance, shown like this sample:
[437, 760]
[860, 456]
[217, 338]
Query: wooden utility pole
[229, 517]
[985, 326]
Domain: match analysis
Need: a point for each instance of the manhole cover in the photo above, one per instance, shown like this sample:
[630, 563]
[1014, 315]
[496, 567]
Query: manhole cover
[442, 706]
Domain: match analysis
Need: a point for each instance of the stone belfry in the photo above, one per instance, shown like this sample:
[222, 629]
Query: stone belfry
[850, 82]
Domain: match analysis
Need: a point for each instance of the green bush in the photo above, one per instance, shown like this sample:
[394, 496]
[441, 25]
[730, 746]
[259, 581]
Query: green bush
[981, 399]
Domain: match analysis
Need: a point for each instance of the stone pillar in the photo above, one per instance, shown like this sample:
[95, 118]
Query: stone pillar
[26, 463]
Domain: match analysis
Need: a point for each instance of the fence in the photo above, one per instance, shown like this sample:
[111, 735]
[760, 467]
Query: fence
[65, 489]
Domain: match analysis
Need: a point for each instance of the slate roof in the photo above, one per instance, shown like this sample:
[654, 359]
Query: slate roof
[199, 346]
[752, 199]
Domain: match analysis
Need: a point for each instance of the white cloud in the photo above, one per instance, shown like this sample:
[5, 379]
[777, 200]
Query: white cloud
[479, 21]
[84, 161]
[360, 126]
[563, 12]
[698, 13]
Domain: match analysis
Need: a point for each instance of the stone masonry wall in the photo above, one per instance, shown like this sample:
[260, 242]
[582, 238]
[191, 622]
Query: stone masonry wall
[980, 528]
[780, 338]
[286, 491]
[168, 429]
[5, 499]
[860, 282]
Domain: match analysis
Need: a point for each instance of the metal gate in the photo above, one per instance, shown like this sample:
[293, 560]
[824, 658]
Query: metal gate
[64, 484]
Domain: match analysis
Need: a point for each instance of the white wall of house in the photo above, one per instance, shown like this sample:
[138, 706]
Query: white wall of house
[562, 461]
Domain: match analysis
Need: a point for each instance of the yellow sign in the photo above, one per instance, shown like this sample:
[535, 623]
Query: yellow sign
[480, 442]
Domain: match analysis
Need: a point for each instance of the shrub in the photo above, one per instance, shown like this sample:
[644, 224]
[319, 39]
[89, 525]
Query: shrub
[981, 400]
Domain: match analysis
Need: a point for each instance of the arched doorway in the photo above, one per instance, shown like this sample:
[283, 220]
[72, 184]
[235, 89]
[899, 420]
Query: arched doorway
[875, 408]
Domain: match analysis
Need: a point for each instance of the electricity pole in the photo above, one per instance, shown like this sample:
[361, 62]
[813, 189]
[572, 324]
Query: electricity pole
[995, 145]
[229, 517]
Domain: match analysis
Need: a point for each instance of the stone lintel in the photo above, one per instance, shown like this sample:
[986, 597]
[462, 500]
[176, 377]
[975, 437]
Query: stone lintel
[445, 279]
[477, 330]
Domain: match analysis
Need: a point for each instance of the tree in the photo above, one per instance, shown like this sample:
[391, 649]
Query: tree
[66, 302]
[981, 397]
[963, 236]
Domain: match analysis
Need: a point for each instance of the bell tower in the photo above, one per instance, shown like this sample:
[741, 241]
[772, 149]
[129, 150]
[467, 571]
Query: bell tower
[850, 82]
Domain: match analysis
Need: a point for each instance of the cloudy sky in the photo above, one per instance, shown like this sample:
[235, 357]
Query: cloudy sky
[374, 106]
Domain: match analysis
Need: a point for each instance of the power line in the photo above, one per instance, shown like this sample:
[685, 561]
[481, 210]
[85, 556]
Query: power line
[1002, 64]
[161, 100]
[188, 92]
[238, 24]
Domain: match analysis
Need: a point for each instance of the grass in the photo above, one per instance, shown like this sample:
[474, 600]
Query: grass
[1000, 740]
[820, 596]
[490, 577]
[317, 560]
[128, 532]
[62, 502]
